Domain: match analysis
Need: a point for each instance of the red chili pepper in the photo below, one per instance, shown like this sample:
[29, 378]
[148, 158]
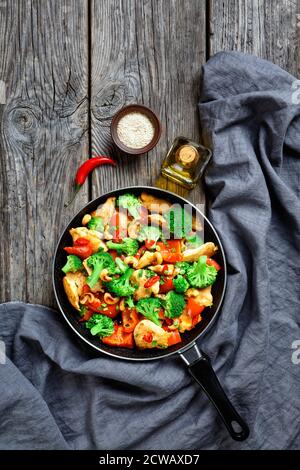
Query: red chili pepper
[148, 337]
[86, 289]
[140, 252]
[117, 228]
[85, 169]
[149, 244]
[82, 251]
[151, 281]
[89, 165]
[81, 241]
[212, 262]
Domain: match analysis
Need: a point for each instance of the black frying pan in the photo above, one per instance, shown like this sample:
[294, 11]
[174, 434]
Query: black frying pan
[197, 362]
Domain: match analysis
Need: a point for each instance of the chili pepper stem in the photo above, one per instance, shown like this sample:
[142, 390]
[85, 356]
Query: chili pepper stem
[76, 190]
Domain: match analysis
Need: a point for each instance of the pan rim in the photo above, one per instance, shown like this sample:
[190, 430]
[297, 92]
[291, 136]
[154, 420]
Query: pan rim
[201, 333]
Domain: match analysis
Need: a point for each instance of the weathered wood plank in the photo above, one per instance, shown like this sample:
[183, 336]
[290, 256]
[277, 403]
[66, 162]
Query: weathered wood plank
[149, 52]
[269, 29]
[43, 63]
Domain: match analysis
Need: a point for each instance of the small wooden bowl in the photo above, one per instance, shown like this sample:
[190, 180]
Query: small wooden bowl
[135, 108]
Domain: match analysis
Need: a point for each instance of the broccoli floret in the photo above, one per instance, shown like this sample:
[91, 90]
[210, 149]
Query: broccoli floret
[72, 265]
[200, 274]
[129, 302]
[100, 325]
[149, 233]
[193, 240]
[174, 304]
[96, 223]
[128, 246]
[183, 267]
[121, 286]
[131, 203]
[180, 284]
[97, 262]
[149, 307]
[83, 310]
[179, 221]
[121, 267]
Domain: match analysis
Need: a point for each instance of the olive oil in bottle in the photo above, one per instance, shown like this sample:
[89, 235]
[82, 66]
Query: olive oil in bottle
[185, 162]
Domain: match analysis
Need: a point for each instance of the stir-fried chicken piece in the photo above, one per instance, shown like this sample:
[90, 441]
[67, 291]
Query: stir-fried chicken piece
[193, 254]
[106, 210]
[148, 258]
[73, 284]
[157, 220]
[92, 236]
[139, 278]
[155, 204]
[202, 296]
[148, 335]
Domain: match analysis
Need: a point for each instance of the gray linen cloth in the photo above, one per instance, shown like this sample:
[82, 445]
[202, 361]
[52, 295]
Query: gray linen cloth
[54, 394]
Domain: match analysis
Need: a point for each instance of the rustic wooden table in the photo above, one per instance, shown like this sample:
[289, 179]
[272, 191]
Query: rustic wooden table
[66, 66]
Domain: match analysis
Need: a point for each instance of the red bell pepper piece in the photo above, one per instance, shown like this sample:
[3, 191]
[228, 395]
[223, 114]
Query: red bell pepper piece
[196, 319]
[119, 338]
[149, 244]
[171, 251]
[174, 338]
[166, 286]
[193, 308]
[99, 306]
[130, 318]
[88, 314]
[113, 253]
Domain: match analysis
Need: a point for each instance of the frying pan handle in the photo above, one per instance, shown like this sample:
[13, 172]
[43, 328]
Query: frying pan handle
[199, 366]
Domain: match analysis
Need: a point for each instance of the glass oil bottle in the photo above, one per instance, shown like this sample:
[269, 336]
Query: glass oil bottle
[185, 162]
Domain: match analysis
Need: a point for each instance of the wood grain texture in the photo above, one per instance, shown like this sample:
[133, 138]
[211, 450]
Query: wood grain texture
[148, 52]
[269, 29]
[43, 63]
[66, 67]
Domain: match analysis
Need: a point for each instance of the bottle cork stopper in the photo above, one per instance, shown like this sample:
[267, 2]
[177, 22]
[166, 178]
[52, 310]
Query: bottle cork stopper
[187, 155]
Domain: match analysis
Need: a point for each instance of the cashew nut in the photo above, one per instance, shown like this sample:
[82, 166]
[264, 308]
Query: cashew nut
[131, 260]
[87, 298]
[133, 229]
[106, 234]
[104, 275]
[109, 299]
[167, 269]
[158, 220]
[150, 258]
[158, 259]
[85, 219]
